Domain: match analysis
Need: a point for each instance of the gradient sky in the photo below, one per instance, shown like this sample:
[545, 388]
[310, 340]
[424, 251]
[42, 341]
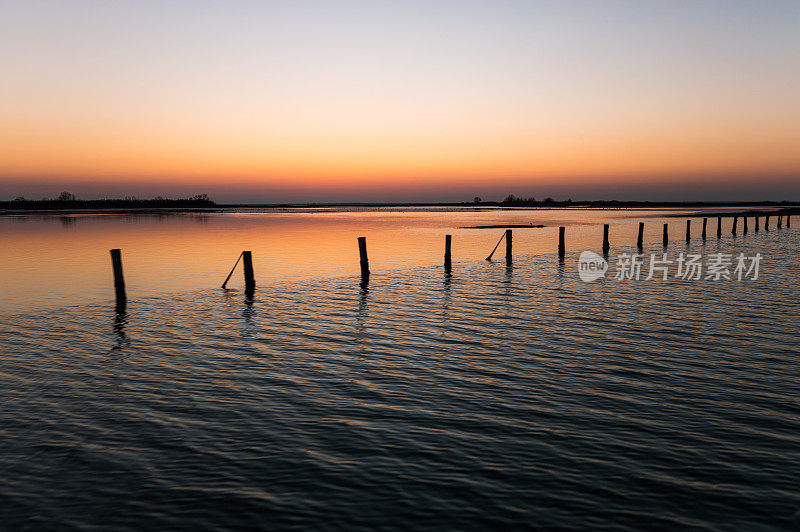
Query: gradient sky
[401, 100]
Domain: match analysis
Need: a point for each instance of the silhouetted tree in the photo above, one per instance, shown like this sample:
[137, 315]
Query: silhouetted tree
[66, 196]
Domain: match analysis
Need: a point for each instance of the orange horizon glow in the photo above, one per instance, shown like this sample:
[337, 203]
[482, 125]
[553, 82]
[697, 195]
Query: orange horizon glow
[548, 96]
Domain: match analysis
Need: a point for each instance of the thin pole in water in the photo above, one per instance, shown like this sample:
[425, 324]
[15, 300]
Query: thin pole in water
[606, 245]
[228, 278]
[744, 225]
[447, 259]
[705, 224]
[688, 230]
[362, 252]
[756, 227]
[508, 246]
[496, 246]
[249, 275]
[640, 238]
[733, 229]
[665, 238]
[561, 246]
[766, 222]
[719, 226]
[119, 279]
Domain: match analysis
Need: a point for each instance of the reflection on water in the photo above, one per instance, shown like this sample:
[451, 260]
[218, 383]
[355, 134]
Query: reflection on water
[190, 251]
[121, 337]
[497, 397]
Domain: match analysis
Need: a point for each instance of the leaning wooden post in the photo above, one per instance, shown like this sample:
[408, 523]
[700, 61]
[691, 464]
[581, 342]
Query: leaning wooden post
[705, 224]
[362, 252]
[606, 245]
[447, 261]
[733, 228]
[665, 238]
[756, 227]
[719, 226]
[508, 246]
[119, 279]
[688, 230]
[766, 222]
[744, 225]
[249, 276]
[561, 247]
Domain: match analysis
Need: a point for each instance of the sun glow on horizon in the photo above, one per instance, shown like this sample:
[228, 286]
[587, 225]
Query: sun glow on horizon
[360, 95]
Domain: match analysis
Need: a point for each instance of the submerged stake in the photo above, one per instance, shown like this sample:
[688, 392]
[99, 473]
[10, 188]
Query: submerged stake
[362, 252]
[249, 277]
[119, 280]
[447, 262]
[640, 238]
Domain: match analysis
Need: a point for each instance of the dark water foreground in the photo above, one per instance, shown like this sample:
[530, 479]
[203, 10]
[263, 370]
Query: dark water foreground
[511, 398]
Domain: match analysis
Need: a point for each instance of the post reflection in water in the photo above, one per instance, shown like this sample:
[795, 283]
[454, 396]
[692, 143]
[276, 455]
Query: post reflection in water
[121, 338]
[447, 296]
[363, 308]
[247, 313]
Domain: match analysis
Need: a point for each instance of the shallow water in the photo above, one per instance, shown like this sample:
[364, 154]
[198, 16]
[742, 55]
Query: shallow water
[498, 397]
[52, 261]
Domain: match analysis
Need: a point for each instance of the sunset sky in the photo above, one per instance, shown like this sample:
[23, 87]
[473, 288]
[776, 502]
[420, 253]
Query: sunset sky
[266, 101]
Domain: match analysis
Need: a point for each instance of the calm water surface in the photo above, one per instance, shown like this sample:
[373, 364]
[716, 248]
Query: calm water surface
[499, 397]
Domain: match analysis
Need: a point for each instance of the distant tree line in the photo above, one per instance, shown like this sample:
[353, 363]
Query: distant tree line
[67, 200]
[513, 201]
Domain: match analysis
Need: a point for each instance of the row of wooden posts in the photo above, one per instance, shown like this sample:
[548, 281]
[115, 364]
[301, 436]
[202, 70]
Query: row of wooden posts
[250, 281]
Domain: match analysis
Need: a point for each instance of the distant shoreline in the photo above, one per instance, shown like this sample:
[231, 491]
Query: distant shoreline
[164, 207]
[167, 207]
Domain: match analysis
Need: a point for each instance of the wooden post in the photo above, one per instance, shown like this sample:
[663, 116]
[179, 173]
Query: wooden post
[606, 245]
[780, 221]
[640, 238]
[705, 224]
[733, 228]
[756, 227]
[249, 276]
[447, 261]
[744, 225]
[362, 252]
[788, 220]
[119, 279]
[719, 226]
[666, 234]
[508, 246]
[561, 247]
[688, 230]
[766, 222]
